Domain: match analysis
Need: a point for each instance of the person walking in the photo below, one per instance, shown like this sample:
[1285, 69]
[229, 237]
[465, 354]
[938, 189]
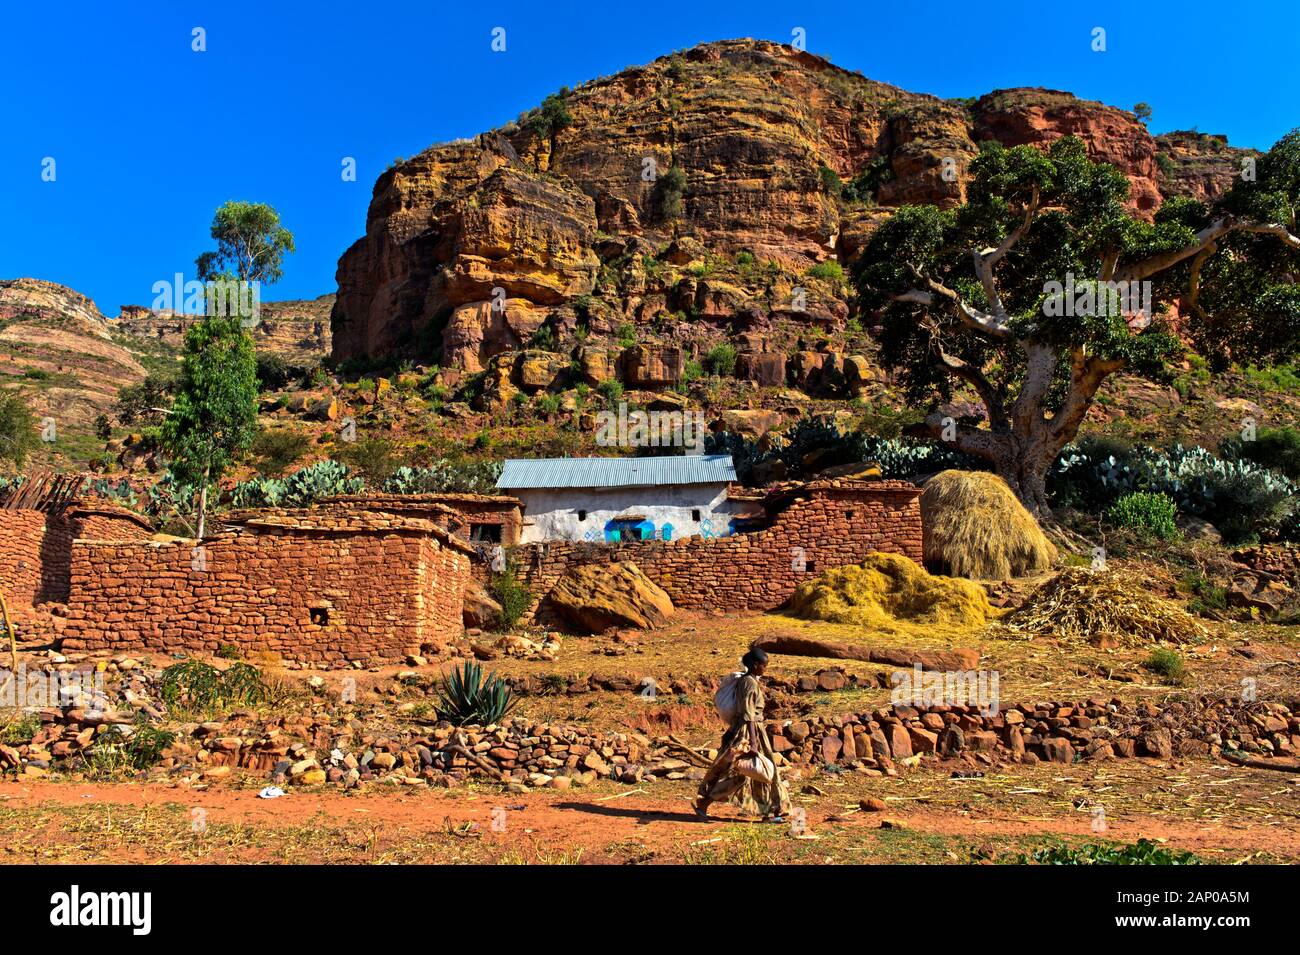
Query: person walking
[745, 772]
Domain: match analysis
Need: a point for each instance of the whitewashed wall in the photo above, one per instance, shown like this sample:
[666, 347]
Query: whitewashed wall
[553, 514]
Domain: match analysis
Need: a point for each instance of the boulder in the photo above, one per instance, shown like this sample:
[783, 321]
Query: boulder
[595, 598]
[479, 608]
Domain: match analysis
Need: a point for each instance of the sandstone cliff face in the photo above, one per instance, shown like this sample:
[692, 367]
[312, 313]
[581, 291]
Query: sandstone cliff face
[1018, 116]
[1198, 165]
[36, 298]
[688, 199]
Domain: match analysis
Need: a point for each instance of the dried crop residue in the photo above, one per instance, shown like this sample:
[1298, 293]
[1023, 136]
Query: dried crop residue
[886, 589]
[1092, 605]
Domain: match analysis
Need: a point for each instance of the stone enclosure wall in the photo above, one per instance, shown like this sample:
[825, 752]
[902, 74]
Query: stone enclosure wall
[370, 590]
[36, 548]
[812, 529]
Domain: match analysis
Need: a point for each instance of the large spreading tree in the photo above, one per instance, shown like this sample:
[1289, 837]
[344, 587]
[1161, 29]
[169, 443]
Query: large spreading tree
[1022, 294]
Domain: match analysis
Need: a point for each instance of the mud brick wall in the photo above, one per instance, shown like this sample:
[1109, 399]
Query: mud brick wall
[759, 570]
[307, 594]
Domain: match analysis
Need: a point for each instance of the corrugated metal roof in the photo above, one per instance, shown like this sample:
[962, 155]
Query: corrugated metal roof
[522, 473]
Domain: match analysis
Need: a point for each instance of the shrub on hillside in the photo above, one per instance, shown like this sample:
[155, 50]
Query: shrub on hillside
[1151, 515]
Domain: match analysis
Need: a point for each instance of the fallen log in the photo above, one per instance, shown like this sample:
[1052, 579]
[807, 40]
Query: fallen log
[1261, 763]
[958, 658]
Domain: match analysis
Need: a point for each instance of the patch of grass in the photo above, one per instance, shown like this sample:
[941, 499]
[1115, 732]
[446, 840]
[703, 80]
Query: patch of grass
[20, 729]
[1142, 852]
[193, 687]
[1167, 664]
[512, 595]
[118, 751]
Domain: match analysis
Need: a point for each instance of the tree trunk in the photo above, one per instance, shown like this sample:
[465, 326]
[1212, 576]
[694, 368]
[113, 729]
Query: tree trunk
[203, 506]
[1025, 471]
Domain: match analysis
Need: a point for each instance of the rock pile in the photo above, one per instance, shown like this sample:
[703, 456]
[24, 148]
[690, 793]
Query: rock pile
[1051, 732]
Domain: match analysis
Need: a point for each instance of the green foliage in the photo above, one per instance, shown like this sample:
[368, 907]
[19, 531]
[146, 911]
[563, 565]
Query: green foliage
[146, 402]
[1142, 852]
[466, 696]
[1277, 449]
[1168, 664]
[862, 188]
[117, 750]
[274, 372]
[18, 435]
[1241, 498]
[197, 688]
[552, 116]
[20, 729]
[214, 416]
[1210, 597]
[276, 450]
[544, 338]
[669, 193]
[627, 335]
[1151, 515]
[611, 390]
[830, 271]
[251, 244]
[514, 597]
[103, 427]
[830, 181]
[374, 457]
[302, 488]
[815, 444]
[1143, 112]
[721, 360]
[445, 476]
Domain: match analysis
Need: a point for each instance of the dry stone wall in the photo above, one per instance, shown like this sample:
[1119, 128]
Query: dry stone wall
[366, 590]
[818, 527]
[36, 548]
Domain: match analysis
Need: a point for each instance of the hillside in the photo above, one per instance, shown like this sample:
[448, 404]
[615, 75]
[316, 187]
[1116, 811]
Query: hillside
[639, 220]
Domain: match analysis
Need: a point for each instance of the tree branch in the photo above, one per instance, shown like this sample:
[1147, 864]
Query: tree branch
[1206, 237]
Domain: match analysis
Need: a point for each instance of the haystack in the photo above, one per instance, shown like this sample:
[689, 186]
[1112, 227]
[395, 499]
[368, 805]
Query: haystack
[1104, 606]
[886, 589]
[975, 527]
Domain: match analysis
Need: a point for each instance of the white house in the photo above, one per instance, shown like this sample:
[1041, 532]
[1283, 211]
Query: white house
[618, 499]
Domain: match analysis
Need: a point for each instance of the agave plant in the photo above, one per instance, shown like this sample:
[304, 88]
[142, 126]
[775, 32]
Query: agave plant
[467, 696]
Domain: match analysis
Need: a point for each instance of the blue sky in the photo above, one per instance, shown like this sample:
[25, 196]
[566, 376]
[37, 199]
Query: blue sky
[150, 137]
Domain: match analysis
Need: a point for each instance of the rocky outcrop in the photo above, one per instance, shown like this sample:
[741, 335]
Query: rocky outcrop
[683, 194]
[593, 598]
[37, 298]
[1015, 117]
[1198, 165]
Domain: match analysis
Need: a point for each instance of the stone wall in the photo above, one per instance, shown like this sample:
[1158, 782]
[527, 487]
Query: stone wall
[23, 549]
[36, 548]
[813, 528]
[460, 514]
[361, 587]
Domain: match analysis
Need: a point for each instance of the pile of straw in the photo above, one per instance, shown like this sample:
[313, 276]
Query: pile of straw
[976, 527]
[886, 589]
[1083, 604]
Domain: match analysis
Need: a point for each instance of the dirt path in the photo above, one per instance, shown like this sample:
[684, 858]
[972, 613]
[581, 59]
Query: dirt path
[590, 824]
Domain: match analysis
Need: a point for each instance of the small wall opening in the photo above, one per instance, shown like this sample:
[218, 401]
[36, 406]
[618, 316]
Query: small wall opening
[320, 616]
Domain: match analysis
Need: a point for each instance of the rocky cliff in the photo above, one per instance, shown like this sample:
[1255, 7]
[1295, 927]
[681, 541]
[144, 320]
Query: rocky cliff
[635, 222]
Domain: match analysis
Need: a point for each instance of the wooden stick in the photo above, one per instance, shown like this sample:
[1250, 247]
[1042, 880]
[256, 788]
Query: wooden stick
[13, 640]
[1260, 763]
